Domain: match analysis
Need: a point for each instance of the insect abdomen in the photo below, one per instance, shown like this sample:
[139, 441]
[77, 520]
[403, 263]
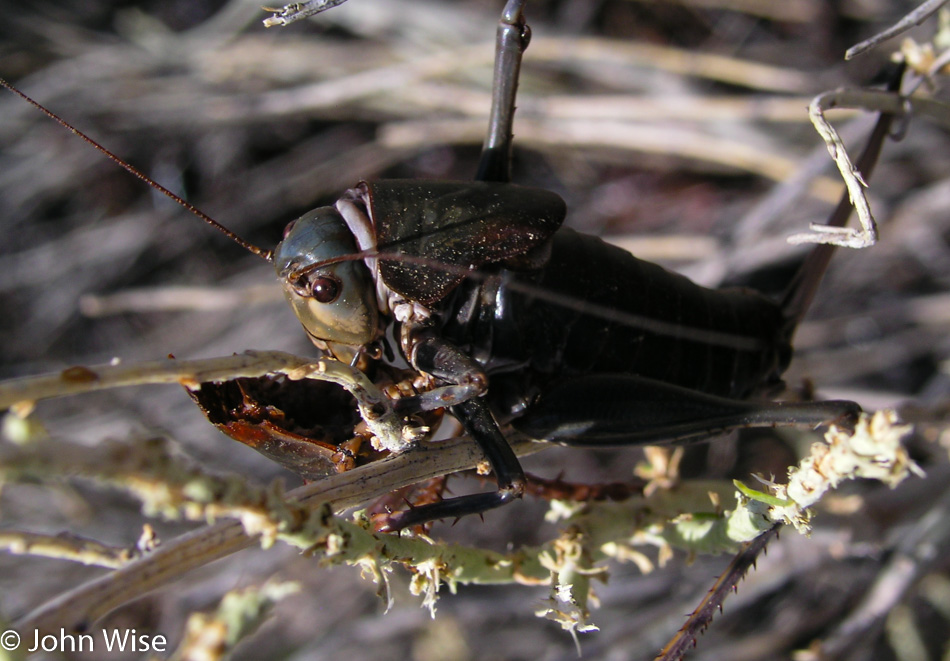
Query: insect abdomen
[595, 308]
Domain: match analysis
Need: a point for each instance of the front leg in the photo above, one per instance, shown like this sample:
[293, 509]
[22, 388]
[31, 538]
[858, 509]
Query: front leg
[433, 355]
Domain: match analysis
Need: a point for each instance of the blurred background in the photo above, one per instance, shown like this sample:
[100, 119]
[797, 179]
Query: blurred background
[678, 129]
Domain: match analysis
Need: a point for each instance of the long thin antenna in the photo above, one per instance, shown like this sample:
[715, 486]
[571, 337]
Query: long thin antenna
[260, 252]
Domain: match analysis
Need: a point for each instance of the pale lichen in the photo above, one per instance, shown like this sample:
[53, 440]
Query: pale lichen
[213, 636]
[873, 451]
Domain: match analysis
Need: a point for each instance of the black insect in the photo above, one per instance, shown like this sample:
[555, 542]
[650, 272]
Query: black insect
[515, 320]
[564, 336]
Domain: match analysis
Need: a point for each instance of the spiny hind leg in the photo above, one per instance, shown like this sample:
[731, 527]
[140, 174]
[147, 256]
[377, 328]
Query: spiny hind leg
[512, 39]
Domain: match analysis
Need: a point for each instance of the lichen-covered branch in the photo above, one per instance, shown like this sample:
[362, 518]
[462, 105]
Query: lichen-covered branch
[212, 636]
[390, 430]
[874, 451]
[25, 391]
[66, 546]
[190, 494]
[707, 518]
[691, 515]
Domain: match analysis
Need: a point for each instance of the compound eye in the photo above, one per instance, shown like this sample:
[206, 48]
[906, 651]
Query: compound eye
[326, 289]
[289, 228]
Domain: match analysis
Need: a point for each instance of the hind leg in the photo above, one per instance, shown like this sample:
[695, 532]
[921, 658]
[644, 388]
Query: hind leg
[512, 40]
